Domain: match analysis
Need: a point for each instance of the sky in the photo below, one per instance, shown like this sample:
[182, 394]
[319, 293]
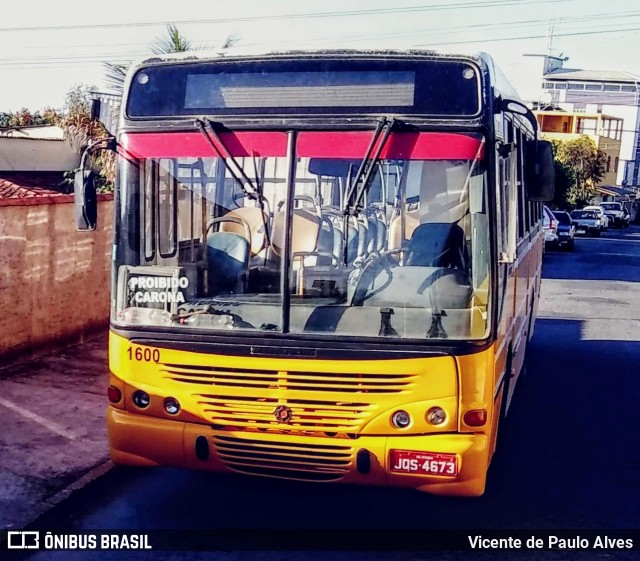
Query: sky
[47, 47]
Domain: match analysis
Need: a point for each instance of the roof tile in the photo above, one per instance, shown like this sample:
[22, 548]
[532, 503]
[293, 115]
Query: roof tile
[18, 185]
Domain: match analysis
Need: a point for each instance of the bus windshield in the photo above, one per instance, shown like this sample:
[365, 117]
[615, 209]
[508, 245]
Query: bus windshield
[217, 232]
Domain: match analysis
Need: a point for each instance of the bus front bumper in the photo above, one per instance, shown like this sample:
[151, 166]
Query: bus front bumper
[142, 440]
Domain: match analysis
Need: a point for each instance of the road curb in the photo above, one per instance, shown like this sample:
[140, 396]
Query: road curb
[47, 504]
[93, 474]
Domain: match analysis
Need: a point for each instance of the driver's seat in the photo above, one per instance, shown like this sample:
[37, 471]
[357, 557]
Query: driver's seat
[437, 244]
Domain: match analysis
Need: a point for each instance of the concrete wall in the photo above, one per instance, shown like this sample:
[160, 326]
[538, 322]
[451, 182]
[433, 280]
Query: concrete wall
[32, 154]
[54, 281]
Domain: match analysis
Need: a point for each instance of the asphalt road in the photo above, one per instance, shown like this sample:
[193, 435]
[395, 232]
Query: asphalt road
[570, 458]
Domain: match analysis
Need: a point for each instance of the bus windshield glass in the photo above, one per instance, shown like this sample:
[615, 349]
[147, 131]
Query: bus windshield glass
[212, 243]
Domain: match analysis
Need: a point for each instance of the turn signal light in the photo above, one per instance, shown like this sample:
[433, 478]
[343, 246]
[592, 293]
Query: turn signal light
[114, 394]
[475, 417]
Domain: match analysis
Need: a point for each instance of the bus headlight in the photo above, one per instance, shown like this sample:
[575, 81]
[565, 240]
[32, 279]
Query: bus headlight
[401, 419]
[172, 405]
[436, 416]
[141, 399]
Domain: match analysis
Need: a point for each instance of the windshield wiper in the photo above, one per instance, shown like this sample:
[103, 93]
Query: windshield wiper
[360, 182]
[207, 130]
[255, 193]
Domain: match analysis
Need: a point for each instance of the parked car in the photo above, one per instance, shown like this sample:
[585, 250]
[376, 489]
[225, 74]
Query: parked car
[549, 227]
[566, 229]
[604, 221]
[587, 222]
[616, 214]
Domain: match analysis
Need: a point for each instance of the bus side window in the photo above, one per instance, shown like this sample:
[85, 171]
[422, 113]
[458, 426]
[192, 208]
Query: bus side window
[522, 214]
[167, 210]
[147, 172]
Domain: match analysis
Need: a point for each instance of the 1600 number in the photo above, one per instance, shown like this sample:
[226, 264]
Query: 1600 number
[146, 355]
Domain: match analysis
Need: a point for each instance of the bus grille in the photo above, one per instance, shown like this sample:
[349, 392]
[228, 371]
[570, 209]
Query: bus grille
[303, 381]
[246, 399]
[308, 462]
[306, 415]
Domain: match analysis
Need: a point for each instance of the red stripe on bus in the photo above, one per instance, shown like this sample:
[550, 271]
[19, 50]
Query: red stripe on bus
[401, 145]
[195, 145]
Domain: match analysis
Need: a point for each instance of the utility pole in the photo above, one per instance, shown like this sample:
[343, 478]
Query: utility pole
[551, 36]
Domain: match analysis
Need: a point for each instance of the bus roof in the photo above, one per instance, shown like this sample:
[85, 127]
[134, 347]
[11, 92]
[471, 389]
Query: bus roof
[281, 62]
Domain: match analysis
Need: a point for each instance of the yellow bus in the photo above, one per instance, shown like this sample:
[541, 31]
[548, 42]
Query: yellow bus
[326, 265]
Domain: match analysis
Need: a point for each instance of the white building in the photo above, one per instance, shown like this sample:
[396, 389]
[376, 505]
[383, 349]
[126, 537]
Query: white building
[610, 92]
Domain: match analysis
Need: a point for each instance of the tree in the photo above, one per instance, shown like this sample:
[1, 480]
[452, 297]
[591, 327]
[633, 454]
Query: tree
[80, 129]
[565, 185]
[25, 118]
[581, 166]
[78, 126]
[172, 42]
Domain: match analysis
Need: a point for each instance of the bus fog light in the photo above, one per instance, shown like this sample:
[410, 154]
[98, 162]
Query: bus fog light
[141, 399]
[172, 406]
[475, 417]
[436, 416]
[401, 419]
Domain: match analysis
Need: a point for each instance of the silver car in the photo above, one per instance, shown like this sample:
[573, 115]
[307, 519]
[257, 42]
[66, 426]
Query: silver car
[587, 222]
[604, 221]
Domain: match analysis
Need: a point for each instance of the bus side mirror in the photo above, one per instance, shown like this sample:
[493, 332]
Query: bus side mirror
[86, 200]
[541, 171]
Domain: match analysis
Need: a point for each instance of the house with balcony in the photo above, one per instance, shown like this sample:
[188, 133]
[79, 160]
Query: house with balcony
[605, 131]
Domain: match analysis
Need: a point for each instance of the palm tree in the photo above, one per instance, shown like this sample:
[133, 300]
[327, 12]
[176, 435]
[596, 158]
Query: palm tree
[173, 42]
[115, 75]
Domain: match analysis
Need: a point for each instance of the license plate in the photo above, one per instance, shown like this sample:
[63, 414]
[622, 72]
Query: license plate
[581, 231]
[423, 463]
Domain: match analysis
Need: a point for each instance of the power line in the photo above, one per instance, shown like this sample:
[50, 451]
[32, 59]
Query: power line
[485, 26]
[345, 13]
[61, 61]
[126, 57]
[404, 33]
[497, 40]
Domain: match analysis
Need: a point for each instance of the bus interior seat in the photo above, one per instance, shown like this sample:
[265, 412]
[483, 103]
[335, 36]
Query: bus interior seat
[376, 235]
[353, 236]
[327, 241]
[227, 261]
[255, 218]
[412, 221]
[305, 232]
[437, 244]
[305, 235]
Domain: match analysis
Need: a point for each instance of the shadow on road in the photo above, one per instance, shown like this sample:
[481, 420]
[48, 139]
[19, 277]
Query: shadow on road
[569, 455]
